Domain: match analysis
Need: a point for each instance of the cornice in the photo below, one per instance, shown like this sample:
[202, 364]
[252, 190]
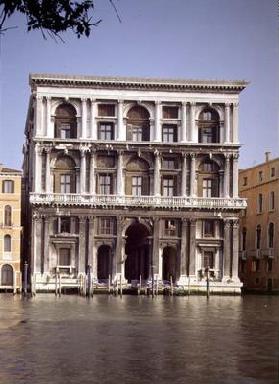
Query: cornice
[134, 83]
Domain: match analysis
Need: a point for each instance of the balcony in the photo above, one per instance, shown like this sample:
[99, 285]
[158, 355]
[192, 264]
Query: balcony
[159, 202]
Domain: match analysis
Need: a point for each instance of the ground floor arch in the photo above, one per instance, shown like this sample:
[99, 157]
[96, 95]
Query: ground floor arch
[7, 275]
[104, 262]
[137, 264]
[170, 267]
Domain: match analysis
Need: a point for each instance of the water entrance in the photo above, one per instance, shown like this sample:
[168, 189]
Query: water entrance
[137, 251]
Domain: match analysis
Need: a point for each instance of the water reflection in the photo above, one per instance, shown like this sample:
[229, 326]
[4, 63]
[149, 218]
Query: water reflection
[139, 340]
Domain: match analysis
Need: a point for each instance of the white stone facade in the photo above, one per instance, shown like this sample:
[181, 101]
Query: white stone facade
[140, 174]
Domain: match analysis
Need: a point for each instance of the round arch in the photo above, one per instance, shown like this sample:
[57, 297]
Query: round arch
[138, 124]
[7, 275]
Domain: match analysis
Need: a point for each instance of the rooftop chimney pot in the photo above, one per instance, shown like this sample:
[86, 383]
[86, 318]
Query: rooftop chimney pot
[267, 156]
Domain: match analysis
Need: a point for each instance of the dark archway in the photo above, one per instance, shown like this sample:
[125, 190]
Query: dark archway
[104, 262]
[7, 277]
[169, 264]
[137, 251]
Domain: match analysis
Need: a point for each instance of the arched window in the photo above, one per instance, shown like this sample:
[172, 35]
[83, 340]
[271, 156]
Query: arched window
[8, 215]
[7, 275]
[138, 125]
[258, 236]
[270, 235]
[208, 126]
[65, 175]
[65, 122]
[208, 179]
[244, 233]
[7, 243]
[137, 177]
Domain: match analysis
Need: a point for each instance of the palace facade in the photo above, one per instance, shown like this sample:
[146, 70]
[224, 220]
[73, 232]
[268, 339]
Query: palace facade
[136, 179]
[259, 229]
[10, 228]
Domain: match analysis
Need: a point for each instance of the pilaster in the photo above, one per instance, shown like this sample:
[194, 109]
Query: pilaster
[157, 168]
[184, 122]
[235, 123]
[183, 252]
[193, 175]
[82, 244]
[227, 176]
[121, 132]
[227, 250]
[192, 249]
[235, 175]
[192, 121]
[49, 130]
[227, 123]
[93, 133]
[235, 249]
[119, 176]
[184, 175]
[158, 111]
[83, 117]
[38, 168]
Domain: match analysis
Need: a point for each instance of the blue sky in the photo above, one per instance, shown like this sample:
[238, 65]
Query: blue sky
[201, 39]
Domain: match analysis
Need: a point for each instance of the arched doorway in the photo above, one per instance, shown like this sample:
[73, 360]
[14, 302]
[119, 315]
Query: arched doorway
[169, 264]
[104, 262]
[7, 277]
[137, 251]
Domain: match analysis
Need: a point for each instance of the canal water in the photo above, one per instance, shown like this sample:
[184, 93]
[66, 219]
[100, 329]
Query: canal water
[138, 340]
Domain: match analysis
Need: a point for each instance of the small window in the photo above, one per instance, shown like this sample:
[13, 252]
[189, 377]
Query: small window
[245, 181]
[64, 256]
[208, 259]
[207, 188]
[106, 110]
[170, 112]
[269, 265]
[105, 184]
[65, 225]
[65, 183]
[169, 134]
[106, 226]
[272, 172]
[170, 228]
[255, 267]
[106, 131]
[8, 215]
[168, 163]
[136, 186]
[208, 228]
[272, 201]
[260, 203]
[7, 243]
[260, 176]
[8, 186]
[258, 237]
[168, 187]
[244, 236]
[270, 235]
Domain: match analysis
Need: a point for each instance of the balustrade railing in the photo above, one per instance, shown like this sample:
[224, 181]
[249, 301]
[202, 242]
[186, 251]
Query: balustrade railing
[174, 202]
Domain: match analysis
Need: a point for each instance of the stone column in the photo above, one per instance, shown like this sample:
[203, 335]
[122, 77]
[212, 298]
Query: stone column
[158, 108]
[49, 130]
[184, 122]
[82, 243]
[91, 229]
[235, 123]
[121, 132]
[93, 133]
[47, 175]
[46, 245]
[155, 247]
[227, 250]
[119, 176]
[38, 116]
[192, 250]
[227, 176]
[160, 265]
[157, 178]
[119, 244]
[83, 170]
[37, 244]
[235, 175]
[83, 117]
[183, 252]
[38, 169]
[94, 262]
[235, 249]
[227, 123]
[192, 121]
[92, 179]
[184, 175]
[193, 175]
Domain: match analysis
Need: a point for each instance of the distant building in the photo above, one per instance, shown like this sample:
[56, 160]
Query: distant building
[137, 178]
[10, 228]
[259, 231]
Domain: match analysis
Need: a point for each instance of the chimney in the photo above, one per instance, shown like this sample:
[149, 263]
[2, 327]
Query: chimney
[267, 156]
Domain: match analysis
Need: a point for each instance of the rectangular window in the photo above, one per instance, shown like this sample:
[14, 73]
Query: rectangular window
[64, 256]
[169, 134]
[170, 228]
[8, 186]
[207, 188]
[106, 110]
[208, 228]
[65, 131]
[208, 261]
[136, 186]
[65, 224]
[65, 183]
[168, 186]
[272, 201]
[106, 131]
[105, 184]
[206, 135]
[260, 203]
[272, 172]
[260, 176]
[136, 133]
[269, 265]
[170, 112]
[106, 226]
[168, 163]
[245, 181]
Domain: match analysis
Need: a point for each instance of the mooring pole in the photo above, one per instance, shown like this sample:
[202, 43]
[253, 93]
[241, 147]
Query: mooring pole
[59, 277]
[89, 282]
[171, 283]
[207, 283]
[25, 274]
[56, 283]
[109, 284]
[120, 285]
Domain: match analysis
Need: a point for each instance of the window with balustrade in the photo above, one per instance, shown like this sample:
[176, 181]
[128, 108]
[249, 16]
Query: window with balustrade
[64, 175]
[169, 133]
[208, 179]
[138, 124]
[105, 184]
[168, 186]
[209, 126]
[106, 131]
[65, 122]
[137, 177]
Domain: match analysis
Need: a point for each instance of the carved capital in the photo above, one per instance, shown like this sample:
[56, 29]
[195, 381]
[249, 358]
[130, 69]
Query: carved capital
[227, 224]
[193, 155]
[38, 149]
[235, 224]
[235, 156]
[83, 100]
[192, 104]
[227, 105]
[83, 149]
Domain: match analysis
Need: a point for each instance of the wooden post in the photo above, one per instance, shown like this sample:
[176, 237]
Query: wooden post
[157, 285]
[109, 284]
[152, 282]
[14, 283]
[120, 285]
[34, 285]
[56, 283]
[20, 282]
[171, 285]
[89, 287]
[207, 283]
[25, 271]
